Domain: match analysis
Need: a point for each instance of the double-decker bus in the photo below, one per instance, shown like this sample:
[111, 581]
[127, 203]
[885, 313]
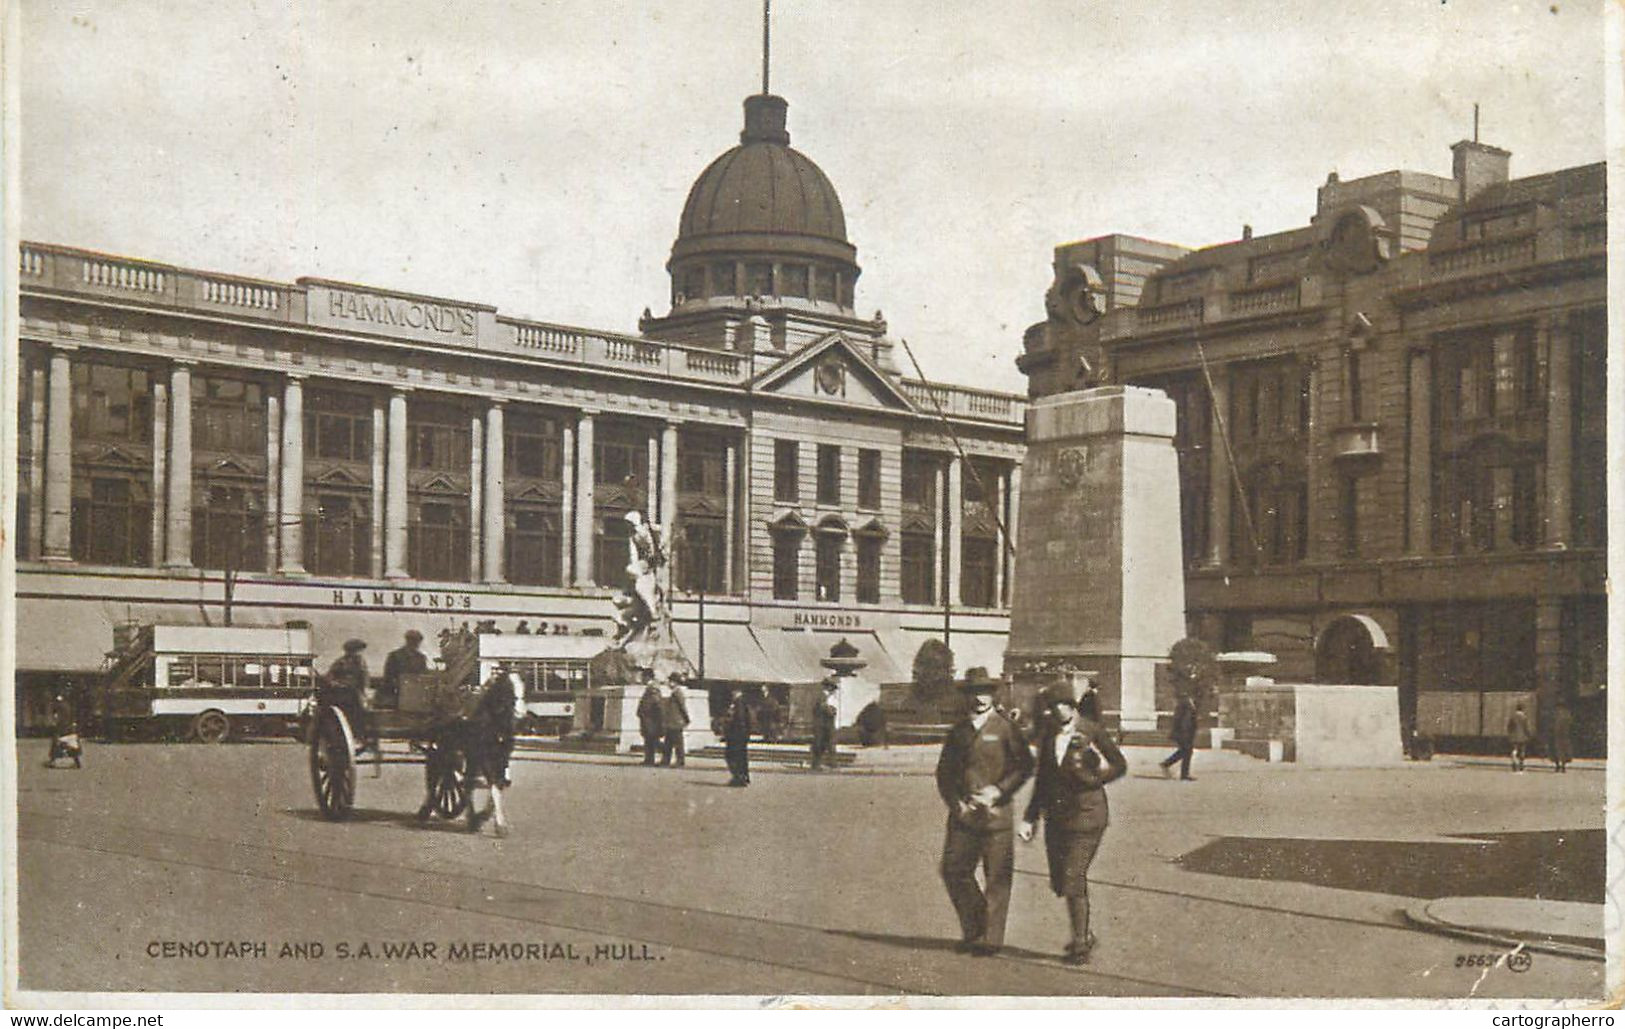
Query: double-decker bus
[207, 683]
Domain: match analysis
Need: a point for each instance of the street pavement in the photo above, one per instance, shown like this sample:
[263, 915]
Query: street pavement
[1254, 880]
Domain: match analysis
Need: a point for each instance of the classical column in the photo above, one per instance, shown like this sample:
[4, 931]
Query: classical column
[651, 495]
[59, 459]
[1559, 435]
[36, 460]
[375, 497]
[1219, 488]
[273, 479]
[956, 537]
[730, 515]
[1013, 506]
[476, 489]
[585, 513]
[292, 500]
[495, 500]
[998, 538]
[395, 490]
[1419, 456]
[567, 503]
[939, 553]
[668, 477]
[178, 552]
[160, 466]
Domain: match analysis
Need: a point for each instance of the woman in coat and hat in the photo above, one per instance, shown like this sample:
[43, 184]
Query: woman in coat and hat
[1069, 795]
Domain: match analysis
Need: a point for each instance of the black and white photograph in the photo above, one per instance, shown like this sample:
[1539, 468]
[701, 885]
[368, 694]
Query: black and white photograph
[848, 502]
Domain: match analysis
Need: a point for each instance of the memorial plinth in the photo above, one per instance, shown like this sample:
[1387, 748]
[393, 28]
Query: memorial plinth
[1348, 726]
[1099, 580]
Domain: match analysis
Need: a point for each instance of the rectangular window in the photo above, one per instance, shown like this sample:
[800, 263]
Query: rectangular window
[828, 560]
[611, 551]
[1356, 405]
[1349, 505]
[786, 471]
[338, 426]
[702, 466]
[919, 568]
[786, 565]
[920, 483]
[869, 548]
[977, 557]
[793, 280]
[438, 437]
[437, 541]
[228, 526]
[829, 474]
[701, 553]
[869, 480]
[759, 279]
[228, 416]
[338, 533]
[112, 521]
[532, 446]
[534, 545]
[621, 457]
[722, 280]
[111, 403]
[824, 283]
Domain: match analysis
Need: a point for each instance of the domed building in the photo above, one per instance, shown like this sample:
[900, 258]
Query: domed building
[762, 261]
[362, 461]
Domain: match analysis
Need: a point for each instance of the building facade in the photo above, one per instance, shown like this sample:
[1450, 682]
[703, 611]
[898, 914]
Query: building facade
[370, 461]
[1390, 431]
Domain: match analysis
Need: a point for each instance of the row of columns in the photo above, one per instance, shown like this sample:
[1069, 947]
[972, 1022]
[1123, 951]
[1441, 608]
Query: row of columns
[51, 491]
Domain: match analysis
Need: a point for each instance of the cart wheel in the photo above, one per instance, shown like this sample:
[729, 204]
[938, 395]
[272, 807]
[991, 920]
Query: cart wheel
[332, 764]
[447, 772]
[211, 727]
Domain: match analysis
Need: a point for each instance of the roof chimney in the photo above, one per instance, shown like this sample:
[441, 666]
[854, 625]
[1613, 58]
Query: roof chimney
[1475, 165]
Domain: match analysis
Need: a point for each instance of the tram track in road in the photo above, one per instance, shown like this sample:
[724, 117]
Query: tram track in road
[868, 961]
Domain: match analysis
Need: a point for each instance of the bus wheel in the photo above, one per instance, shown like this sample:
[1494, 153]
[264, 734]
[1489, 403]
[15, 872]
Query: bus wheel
[211, 727]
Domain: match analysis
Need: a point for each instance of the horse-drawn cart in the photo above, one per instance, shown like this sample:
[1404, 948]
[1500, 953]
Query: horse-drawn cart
[430, 717]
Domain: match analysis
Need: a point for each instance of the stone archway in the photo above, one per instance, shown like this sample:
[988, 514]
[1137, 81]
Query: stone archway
[1351, 649]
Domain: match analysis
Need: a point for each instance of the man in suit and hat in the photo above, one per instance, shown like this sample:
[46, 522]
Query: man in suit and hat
[348, 678]
[1183, 734]
[404, 660]
[652, 721]
[1069, 795]
[984, 761]
[823, 719]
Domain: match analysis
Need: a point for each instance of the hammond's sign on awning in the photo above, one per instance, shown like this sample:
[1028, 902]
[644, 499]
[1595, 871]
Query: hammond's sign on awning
[338, 305]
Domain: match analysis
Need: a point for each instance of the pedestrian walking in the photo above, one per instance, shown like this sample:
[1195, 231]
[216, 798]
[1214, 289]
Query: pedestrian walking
[407, 659]
[738, 722]
[1562, 736]
[674, 750]
[1518, 735]
[823, 723]
[984, 761]
[652, 722]
[1183, 734]
[65, 740]
[1069, 797]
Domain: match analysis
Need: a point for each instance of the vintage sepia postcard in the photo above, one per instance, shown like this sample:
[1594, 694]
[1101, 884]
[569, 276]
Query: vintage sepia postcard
[471, 529]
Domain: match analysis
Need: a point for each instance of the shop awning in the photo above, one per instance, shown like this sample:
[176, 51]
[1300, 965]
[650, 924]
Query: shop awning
[799, 654]
[971, 649]
[731, 652]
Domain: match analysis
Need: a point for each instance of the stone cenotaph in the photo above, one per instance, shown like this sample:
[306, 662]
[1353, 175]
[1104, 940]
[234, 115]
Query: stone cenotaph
[1099, 583]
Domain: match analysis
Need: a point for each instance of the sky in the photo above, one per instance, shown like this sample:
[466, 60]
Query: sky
[536, 155]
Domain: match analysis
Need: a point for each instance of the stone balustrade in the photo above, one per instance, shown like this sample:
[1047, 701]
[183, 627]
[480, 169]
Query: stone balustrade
[1166, 315]
[65, 270]
[1284, 297]
[1490, 253]
[963, 402]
